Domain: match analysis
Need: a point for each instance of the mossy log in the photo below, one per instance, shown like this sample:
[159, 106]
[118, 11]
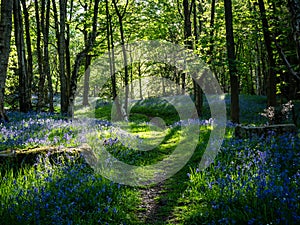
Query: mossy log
[29, 155]
[252, 131]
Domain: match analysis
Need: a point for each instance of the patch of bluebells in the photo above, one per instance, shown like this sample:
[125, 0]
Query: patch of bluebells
[253, 181]
[189, 122]
[36, 129]
[201, 122]
[63, 192]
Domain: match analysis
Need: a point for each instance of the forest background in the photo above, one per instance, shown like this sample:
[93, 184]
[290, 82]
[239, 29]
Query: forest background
[252, 47]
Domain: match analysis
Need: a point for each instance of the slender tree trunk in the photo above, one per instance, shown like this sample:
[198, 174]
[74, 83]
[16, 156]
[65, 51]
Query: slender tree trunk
[111, 54]
[46, 56]
[131, 74]
[235, 110]
[195, 23]
[5, 35]
[177, 80]
[56, 26]
[271, 76]
[126, 76]
[140, 80]
[39, 29]
[258, 71]
[197, 89]
[187, 34]
[187, 24]
[211, 26]
[110, 47]
[200, 12]
[22, 64]
[257, 57]
[29, 69]
[86, 81]
[68, 52]
[187, 9]
[86, 85]
[62, 54]
[79, 58]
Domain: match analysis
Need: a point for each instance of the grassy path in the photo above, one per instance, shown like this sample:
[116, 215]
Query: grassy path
[160, 203]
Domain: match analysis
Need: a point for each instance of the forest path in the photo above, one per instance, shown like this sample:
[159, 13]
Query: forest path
[161, 203]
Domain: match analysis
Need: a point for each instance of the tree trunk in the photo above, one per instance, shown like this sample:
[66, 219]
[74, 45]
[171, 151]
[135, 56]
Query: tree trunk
[46, 56]
[5, 35]
[198, 90]
[211, 33]
[271, 76]
[86, 83]
[111, 54]
[187, 9]
[39, 29]
[29, 69]
[140, 80]
[187, 24]
[234, 107]
[22, 64]
[126, 76]
[68, 53]
[61, 54]
[78, 61]
[187, 35]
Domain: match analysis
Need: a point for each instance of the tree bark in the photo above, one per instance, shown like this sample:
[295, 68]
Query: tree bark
[5, 35]
[234, 83]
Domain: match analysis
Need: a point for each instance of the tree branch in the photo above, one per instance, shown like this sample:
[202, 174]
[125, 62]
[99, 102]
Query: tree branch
[284, 58]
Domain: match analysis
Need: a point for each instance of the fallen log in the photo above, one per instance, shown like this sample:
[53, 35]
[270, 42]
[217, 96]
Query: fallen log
[29, 155]
[259, 131]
